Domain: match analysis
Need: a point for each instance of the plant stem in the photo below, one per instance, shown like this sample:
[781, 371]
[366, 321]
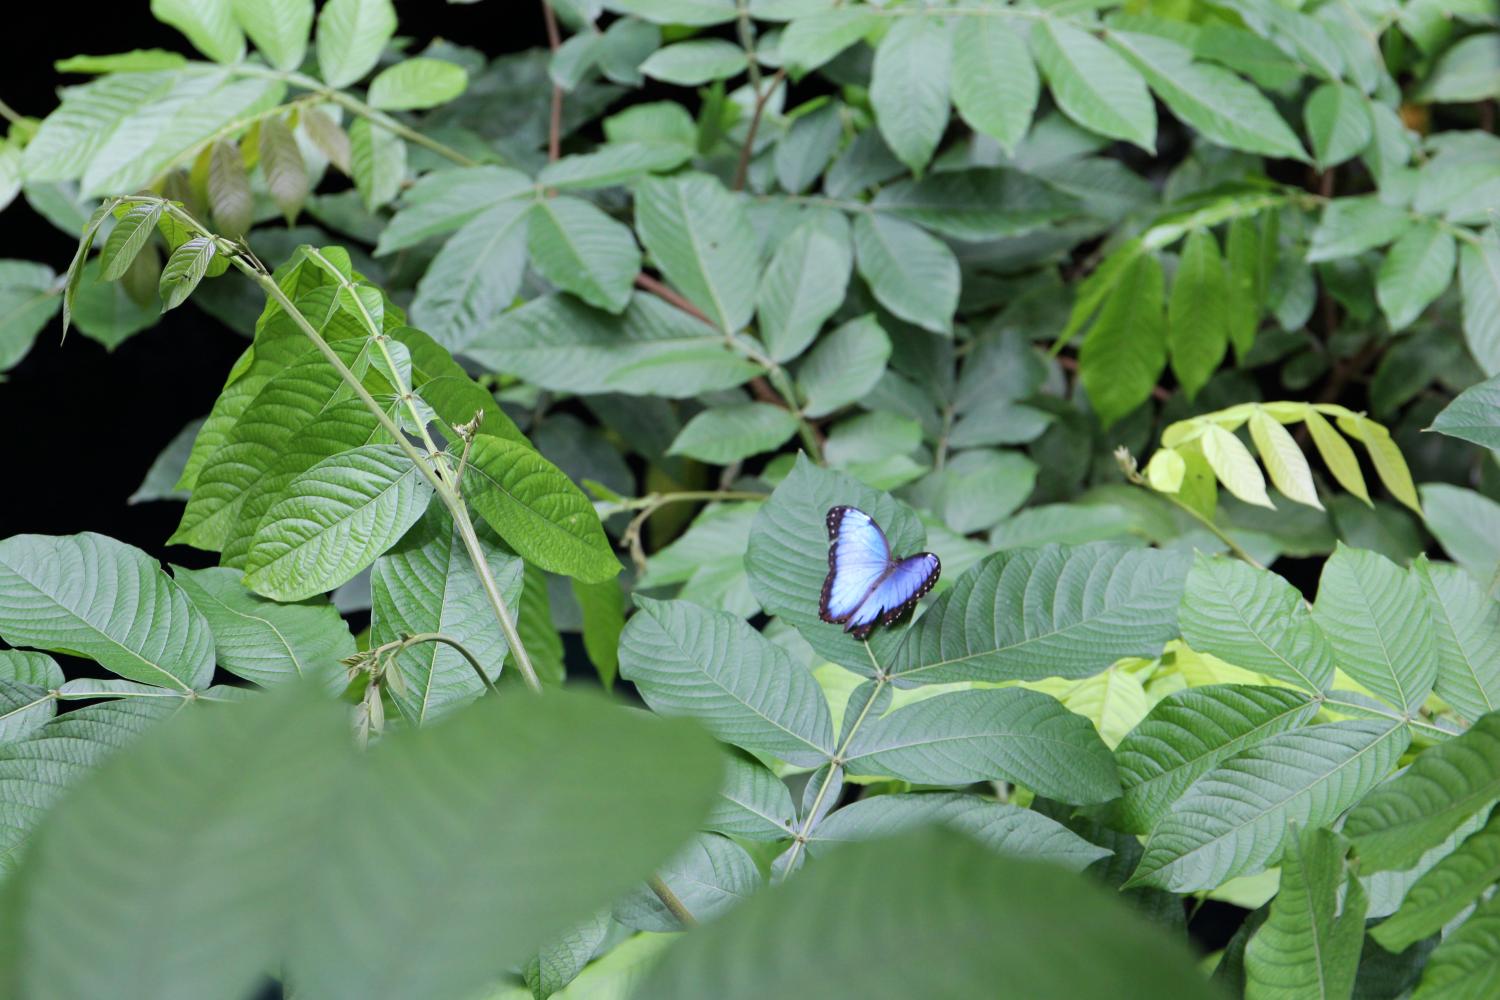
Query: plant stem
[448, 640]
[1137, 479]
[743, 167]
[10, 114]
[554, 122]
[669, 899]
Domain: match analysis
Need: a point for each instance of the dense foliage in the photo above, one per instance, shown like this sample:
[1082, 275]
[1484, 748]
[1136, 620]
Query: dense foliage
[1116, 309]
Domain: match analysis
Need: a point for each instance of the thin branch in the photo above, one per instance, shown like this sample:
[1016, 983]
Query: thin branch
[401, 645]
[11, 115]
[671, 902]
[554, 124]
[743, 167]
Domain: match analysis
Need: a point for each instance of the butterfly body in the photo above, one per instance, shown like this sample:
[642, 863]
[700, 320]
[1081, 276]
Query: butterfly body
[866, 585]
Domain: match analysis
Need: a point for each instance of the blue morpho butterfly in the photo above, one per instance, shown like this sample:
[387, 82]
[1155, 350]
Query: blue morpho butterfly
[865, 582]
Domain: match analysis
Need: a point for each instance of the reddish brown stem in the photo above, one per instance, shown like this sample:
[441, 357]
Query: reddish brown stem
[554, 125]
[743, 167]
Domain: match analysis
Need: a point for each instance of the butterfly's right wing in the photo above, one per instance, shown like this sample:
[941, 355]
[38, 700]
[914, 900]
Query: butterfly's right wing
[858, 558]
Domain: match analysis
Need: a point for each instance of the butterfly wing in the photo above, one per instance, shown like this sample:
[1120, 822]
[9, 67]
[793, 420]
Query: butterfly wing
[859, 557]
[893, 596]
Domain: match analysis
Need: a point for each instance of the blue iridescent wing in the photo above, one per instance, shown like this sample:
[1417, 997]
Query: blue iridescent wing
[906, 584]
[858, 558]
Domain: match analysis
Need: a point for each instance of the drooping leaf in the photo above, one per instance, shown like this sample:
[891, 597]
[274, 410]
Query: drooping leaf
[963, 736]
[1283, 459]
[282, 166]
[351, 36]
[994, 81]
[1197, 313]
[1445, 890]
[602, 606]
[804, 284]
[1338, 123]
[581, 250]
[697, 235]
[537, 510]
[1466, 628]
[1415, 271]
[28, 301]
[185, 268]
[1233, 820]
[279, 28]
[912, 273]
[1126, 348]
[1479, 276]
[1466, 966]
[209, 24]
[267, 642]
[909, 87]
[687, 660]
[105, 600]
[229, 194]
[474, 277]
[377, 159]
[1093, 84]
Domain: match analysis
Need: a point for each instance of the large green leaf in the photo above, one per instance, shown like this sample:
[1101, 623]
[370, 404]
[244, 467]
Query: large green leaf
[36, 772]
[1375, 616]
[1057, 611]
[417, 83]
[28, 301]
[1466, 625]
[698, 236]
[1189, 733]
[474, 277]
[843, 366]
[804, 284]
[1198, 312]
[1416, 270]
[909, 87]
[1351, 226]
[436, 813]
[652, 349]
[1093, 84]
[975, 204]
[710, 876]
[1444, 786]
[1254, 619]
[428, 584]
[753, 803]
[336, 518]
[995, 85]
[209, 24]
[1309, 945]
[1126, 348]
[96, 597]
[267, 642]
[687, 660]
[730, 433]
[1474, 415]
[1233, 820]
[1466, 966]
[581, 250]
[1013, 734]
[351, 36]
[1445, 890]
[377, 159]
[1479, 276]
[170, 802]
[1222, 107]
[1338, 123]
[24, 707]
[537, 510]
[445, 200]
[950, 887]
[279, 28]
[911, 272]
[695, 62]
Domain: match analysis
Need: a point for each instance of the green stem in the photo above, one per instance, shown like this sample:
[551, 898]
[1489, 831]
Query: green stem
[10, 114]
[448, 640]
[670, 900]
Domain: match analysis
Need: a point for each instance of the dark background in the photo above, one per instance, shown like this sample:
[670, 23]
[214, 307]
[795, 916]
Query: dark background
[82, 424]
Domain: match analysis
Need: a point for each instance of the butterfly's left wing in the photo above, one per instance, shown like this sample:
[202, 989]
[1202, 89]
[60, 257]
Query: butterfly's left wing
[906, 584]
[858, 559]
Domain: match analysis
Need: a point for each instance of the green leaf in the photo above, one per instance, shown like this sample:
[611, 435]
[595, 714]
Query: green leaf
[698, 236]
[1057, 611]
[474, 277]
[1004, 829]
[229, 194]
[994, 81]
[414, 84]
[1445, 785]
[267, 642]
[127, 239]
[1337, 455]
[1350, 226]
[1310, 944]
[537, 510]
[351, 36]
[805, 149]
[1283, 459]
[1234, 466]
[508, 887]
[1466, 72]
[1415, 271]
[1375, 616]
[1093, 85]
[1126, 348]
[427, 583]
[1479, 276]
[1223, 108]
[1474, 415]
[1254, 619]
[964, 736]
[134, 61]
[581, 250]
[687, 660]
[911, 273]
[976, 490]
[696, 62]
[753, 803]
[809, 42]
[378, 161]
[614, 163]
[35, 669]
[1189, 733]
[1466, 626]
[1385, 456]
[28, 301]
[334, 520]
[209, 24]
[558, 963]
[1233, 820]
[1466, 965]
[80, 255]
[711, 875]
[24, 708]
[909, 87]
[603, 608]
[279, 28]
[185, 268]
[1198, 312]
[283, 168]
[1338, 123]
[1445, 890]
[804, 284]
[445, 200]
[168, 806]
[727, 434]
[975, 204]
[843, 366]
[652, 349]
[692, 12]
[96, 597]
[947, 885]
[535, 627]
